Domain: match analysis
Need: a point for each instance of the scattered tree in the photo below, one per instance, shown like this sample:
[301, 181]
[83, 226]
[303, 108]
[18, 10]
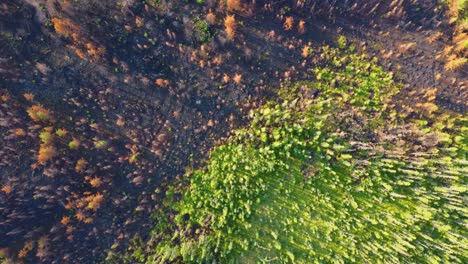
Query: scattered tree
[38, 113]
[230, 26]
[237, 78]
[46, 153]
[95, 182]
[81, 165]
[288, 23]
[301, 27]
[28, 96]
[211, 18]
[6, 189]
[232, 5]
[65, 220]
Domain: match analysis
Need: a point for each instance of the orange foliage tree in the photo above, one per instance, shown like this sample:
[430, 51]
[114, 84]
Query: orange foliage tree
[28, 96]
[68, 29]
[230, 26]
[38, 113]
[237, 78]
[288, 23]
[232, 5]
[211, 18]
[94, 201]
[46, 153]
[457, 52]
[6, 189]
[301, 27]
[95, 182]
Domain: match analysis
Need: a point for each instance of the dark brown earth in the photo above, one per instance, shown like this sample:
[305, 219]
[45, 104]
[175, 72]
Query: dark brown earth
[172, 126]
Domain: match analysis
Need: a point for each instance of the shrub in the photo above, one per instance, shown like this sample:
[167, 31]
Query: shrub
[100, 144]
[43, 247]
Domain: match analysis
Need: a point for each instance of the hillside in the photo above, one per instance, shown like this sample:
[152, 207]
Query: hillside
[238, 131]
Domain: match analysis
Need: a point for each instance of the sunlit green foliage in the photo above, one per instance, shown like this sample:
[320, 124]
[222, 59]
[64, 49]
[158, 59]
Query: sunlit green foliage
[310, 181]
[201, 30]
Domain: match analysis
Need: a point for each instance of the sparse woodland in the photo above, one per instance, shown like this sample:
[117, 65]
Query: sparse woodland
[233, 131]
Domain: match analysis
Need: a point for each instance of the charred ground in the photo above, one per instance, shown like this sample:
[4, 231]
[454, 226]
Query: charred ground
[147, 88]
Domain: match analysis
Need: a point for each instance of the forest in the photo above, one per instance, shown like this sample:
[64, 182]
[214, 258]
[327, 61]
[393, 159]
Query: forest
[233, 131]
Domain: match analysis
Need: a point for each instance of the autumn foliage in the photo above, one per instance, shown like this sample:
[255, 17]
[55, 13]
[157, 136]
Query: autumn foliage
[230, 26]
[301, 27]
[226, 78]
[237, 78]
[38, 113]
[81, 165]
[457, 53]
[306, 51]
[46, 153]
[94, 201]
[6, 189]
[20, 132]
[65, 220]
[232, 5]
[28, 96]
[454, 62]
[288, 23]
[95, 182]
[84, 48]
[43, 247]
[162, 82]
[211, 18]
[28, 246]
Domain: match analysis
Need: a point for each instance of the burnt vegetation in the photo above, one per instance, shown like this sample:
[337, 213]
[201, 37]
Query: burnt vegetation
[107, 105]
